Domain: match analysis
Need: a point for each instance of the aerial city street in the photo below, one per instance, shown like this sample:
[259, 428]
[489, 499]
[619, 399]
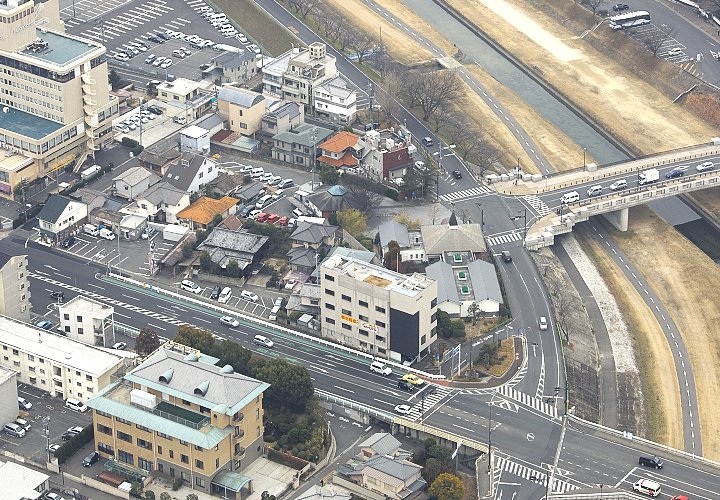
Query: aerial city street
[404, 249]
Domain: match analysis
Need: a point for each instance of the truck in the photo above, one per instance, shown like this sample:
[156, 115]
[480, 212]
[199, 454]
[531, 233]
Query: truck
[648, 176]
[89, 172]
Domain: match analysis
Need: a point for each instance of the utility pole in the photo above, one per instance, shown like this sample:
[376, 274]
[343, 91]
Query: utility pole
[314, 156]
[584, 160]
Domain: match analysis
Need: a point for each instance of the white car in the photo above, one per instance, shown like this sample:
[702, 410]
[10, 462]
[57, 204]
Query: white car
[190, 286]
[254, 48]
[708, 165]
[158, 61]
[403, 409]
[53, 496]
[249, 296]
[618, 185]
[543, 323]
[166, 64]
[266, 177]
[225, 295]
[229, 321]
[263, 341]
[119, 346]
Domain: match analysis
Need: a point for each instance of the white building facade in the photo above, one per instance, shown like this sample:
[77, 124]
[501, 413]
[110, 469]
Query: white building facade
[88, 321]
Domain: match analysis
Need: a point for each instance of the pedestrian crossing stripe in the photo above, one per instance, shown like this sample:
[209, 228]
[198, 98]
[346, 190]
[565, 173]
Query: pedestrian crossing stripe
[516, 469]
[466, 193]
[431, 400]
[505, 238]
[527, 400]
[537, 204]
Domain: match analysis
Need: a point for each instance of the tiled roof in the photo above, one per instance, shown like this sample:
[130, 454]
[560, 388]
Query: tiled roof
[392, 230]
[307, 232]
[224, 245]
[340, 142]
[54, 207]
[204, 209]
[241, 97]
[135, 175]
[181, 172]
[381, 443]
[163, 192]
[346, 160]
[461, 238]
[303, 135]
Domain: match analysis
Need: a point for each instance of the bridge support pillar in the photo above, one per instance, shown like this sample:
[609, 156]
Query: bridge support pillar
[619, 219]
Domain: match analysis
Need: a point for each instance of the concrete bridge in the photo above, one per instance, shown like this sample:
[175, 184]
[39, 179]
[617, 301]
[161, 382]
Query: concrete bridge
[550, 217]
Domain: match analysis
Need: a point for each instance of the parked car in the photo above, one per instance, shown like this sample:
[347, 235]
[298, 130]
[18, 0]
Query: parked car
[190, 286]
[403, 409]
[155, 39]
[619, 7]
[250, 296]
[119, 345]
[91, 459]
[229, 321]
[215, 293]
[58, 295]
[283, 221]
[272, 218]
[44, 324]
[24, 404]
[262, 217]
[225, 295]
[457, 174]
[285, 183]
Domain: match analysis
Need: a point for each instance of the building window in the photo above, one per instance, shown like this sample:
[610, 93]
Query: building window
[66, 316]
[106, 448]
[330, 321]
[184, 459]
[329, 292]
[379, 338]
[104, 429]
[257, 413]
[31, 357]
[88, 378]
[143, 428]
[380, 324]
[184, 476]
[124, 436]
[165, 436]
[347, 312]
[329, 306]
[172, 454]
[380, 309]
[145, 464]
[423, 339]
[433, 303]
[364, 333]
[199, 481]
[81, 331]
[126, 457]
[199, 464]
[329, 278]
[79, 319]
[346, 326]
[159, 450]
[346, 297]
[363, 318]
[144, 444]
[433, 318]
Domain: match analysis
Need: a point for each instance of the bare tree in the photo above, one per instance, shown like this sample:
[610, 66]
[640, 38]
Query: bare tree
[567, 304]
[363, 193]
[441, 116]
[345, 33]
[655, 39]
[362, 45]
[433, 89]
[482, 153]
[595, 4]
[302, 7]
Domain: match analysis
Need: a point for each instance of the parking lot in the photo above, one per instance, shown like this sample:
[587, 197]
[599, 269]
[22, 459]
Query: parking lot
[670, 49]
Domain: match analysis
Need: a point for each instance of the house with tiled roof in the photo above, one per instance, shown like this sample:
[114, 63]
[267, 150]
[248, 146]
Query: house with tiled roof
[203, 210]
[308, 235]
[59, 216]
[391, 477]
[340, 150]
[134, 181]
[161, 203]
[225, 245]
[190, 172]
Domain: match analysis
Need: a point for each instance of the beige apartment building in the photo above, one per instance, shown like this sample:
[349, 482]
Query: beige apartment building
[55, 364]
[378, 311]
[55, 103]
[179, 414]
[88, 321]
[242, 109]
[14, 287]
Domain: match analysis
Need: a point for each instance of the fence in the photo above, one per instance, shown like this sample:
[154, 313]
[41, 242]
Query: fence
[270, 327]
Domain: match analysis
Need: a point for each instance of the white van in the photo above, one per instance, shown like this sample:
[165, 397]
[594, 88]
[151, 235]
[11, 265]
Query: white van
[75, 405]
[106, 233]
[217, 17]
[264, 201]
[647, 486]
[90, 229]
[263, 341]
[14, 430]
[297, 213]
[257, 172]
[570, 197]
[225, 295]
[595, 190]
[280, 193]
[274, 312]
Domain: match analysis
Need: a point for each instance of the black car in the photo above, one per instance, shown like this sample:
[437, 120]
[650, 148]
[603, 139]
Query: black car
[68, 242]
[406, 386]
[246, 210]
[674, 173]
[506, 257]
[619, 7]
[457, 174]
[215, 293]
[155, 109]
[164, 36]
[155, 39]
[58, 295]
[653, 461]
[91, 459]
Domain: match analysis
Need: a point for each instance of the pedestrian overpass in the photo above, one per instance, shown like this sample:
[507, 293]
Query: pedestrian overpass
[614, 206]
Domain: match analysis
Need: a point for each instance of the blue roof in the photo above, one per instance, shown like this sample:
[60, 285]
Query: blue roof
[29, 125]
[337, 191]
[61, 49]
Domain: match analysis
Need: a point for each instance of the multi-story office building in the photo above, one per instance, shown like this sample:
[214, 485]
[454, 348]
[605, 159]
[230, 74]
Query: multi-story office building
[55, 104]
[53, 363]
[382, 312]
[179, 414]
[294, 75]
[14, 287]
[88, 321]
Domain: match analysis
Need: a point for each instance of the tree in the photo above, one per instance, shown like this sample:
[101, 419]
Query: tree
[567, 306]
[191, 496]
[147, 341]
[433, 89]
[149, 495]
[187, 250]
[392, 259]
[353, 221]
[363, 193]
[481, 152]
[165, 496]
[196, 338]
[290, 385]
[233, 354]
[206, 263]
[594, 5]
[114, 79]
[474, 310]
[655, 39]
[444, 325]
[405, 220]
[233, 269]
[447, 487]
[329, 175]
[434, 467]
[362, 45]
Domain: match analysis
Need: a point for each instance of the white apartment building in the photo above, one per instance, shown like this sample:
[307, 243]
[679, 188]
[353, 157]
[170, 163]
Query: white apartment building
[55, 103]
[335, 100]
[8, 395]
[88, 321]
[14, 287]
[294, 75]
[375, 310]
[58, 365]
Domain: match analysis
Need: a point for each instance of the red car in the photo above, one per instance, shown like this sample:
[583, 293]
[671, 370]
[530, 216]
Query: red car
[272, 219]
[283, 221]
[262, 217]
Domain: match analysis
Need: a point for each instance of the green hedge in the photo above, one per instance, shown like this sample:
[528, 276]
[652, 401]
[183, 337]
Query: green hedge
[69, 448]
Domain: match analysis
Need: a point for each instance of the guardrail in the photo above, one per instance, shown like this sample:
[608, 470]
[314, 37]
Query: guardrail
[271, 326]
[331, 398]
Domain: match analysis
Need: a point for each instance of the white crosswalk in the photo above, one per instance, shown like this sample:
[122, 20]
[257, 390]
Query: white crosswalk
[527, 400]
[504, 238]
[430, 401]
[466, 193]
[516, 469]
[537, 204]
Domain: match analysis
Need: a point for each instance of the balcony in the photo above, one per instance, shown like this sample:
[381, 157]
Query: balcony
[87, 79]
[238, 417]
[239, 452]
[238, 436]
[88, 90]
[89, 101]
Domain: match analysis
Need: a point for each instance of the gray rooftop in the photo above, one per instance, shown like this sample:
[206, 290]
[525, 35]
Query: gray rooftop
[392, 230]
[440, 238]
[61, 49]
[303, 135]
[364, 255]
[29, 125]
[135, 175]
[485, 281]
[54, 207]
[307, 232]
[382, 443]
[232, 390]
[241, 97]
[234, 59]
[163, 192]
[337, 87]
[182, 171]
[442, 272]
[224, 245]
[301, 256]
[481, 281]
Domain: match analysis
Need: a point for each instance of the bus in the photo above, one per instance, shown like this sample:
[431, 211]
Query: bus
[629, 20]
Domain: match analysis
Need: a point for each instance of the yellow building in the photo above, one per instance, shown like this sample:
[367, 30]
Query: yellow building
[242, 109]
[55, 103]
[182, 416]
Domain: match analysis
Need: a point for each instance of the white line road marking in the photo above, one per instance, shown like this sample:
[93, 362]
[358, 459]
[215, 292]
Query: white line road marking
[155, 326]
[200, 319]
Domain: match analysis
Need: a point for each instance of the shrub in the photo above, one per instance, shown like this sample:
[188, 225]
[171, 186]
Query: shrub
[165, 495]
[149, 495]
[128, 142]
[177, 482]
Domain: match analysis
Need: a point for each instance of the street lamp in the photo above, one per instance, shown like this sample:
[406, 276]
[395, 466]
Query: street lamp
[584, 160]
[482, 215]
[517, 172]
